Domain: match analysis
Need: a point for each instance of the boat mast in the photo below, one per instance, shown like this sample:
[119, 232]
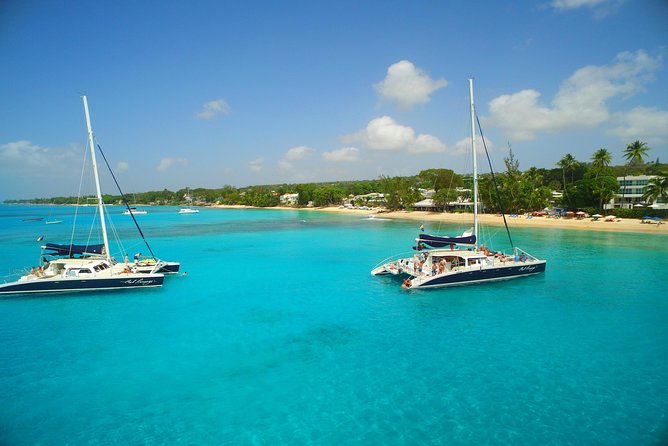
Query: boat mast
[475, 164]
[100, 203]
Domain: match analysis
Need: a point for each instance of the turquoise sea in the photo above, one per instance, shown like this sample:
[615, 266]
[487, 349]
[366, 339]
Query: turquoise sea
[279, 335]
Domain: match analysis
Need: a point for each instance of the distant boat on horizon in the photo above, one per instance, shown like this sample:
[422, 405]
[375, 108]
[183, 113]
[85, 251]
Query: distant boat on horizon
[134, 211]
[188, 209]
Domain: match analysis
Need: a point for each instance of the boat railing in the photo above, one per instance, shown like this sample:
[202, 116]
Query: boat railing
[529, 256]
[394, 257]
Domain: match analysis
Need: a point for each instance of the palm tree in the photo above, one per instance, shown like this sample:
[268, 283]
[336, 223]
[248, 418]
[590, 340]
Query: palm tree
[568, 162]
[600, 160]
[636, 152]
[656, 188]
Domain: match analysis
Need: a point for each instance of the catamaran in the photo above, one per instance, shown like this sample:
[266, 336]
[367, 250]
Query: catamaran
[83, 267]
[460, 260]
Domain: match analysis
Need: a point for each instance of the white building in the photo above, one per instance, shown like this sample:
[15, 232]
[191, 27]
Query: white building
[631, 190]
[289, 199]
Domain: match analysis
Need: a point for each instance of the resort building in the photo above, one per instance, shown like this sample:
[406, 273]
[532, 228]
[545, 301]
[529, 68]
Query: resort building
[630, 194]
[289, 199]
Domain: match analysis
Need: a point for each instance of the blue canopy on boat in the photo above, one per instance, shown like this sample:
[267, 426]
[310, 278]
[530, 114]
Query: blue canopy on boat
[440, 242]
[70, 250]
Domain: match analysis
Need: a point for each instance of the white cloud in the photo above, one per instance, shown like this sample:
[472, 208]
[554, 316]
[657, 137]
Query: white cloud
[564, 5]
[463, 146]
[167, 163]
[294, 154]
[580, 102]
[406, 85]
[213, 108]
[642, 123]
[24, 154]
[256, 165]
[385, 134]
[343, 155]
[122, 167]
[297, 153]
[26, 168]
[599, 8]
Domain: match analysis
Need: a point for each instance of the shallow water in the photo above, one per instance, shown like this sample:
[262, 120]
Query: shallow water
[279, 335]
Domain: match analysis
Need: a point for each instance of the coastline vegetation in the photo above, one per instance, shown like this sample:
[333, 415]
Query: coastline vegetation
[583, 185]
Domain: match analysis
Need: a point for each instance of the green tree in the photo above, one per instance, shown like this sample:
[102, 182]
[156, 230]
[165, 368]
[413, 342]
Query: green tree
[567, 163]
[400, 192]
[438, 179]
[604, 187]
[601, 159]
[656, 189]
[636, 152]
[444, 196]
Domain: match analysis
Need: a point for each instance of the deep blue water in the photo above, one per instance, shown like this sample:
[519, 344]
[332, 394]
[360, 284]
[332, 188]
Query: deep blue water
[279, 335]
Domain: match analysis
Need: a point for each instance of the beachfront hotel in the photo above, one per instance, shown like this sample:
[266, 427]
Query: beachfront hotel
[630, 194]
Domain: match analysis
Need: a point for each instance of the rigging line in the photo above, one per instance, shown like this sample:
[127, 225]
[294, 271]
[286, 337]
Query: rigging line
[125, 201]
[76, 208]
[496, 186]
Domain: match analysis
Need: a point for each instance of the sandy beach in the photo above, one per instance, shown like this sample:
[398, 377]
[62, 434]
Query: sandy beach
[586, 224]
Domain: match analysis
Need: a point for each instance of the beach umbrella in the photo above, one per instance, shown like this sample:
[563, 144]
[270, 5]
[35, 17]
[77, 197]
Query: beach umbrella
[647, 217]
[597, 216]
[656, 218]
[638, 205]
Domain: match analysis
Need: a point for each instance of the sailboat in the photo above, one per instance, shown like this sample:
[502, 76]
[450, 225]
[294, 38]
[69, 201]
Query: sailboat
[188, 209]
[132, 210]
[83, 267]
[447, 261]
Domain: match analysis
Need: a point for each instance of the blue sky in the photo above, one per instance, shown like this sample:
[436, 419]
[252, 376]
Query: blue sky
[209, 93]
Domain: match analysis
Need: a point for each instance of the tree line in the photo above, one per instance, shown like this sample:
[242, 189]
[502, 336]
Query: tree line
[584, 185]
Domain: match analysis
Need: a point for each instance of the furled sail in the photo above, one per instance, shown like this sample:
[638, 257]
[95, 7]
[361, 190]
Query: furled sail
[71, 250]
[440, 242]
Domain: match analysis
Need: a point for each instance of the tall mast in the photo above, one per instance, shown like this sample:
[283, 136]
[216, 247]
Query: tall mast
[475, 164]
[100, 203]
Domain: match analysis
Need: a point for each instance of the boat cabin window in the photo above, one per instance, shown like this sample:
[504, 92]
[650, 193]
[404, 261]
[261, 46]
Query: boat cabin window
[84, 271]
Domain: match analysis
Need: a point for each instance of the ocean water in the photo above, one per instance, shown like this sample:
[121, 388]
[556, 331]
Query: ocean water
[279, 335]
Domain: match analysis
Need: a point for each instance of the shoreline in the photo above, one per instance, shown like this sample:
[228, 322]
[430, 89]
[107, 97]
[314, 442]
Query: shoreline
[624, 225]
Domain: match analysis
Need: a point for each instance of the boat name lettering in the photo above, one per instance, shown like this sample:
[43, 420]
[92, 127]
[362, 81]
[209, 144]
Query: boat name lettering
[138, 282]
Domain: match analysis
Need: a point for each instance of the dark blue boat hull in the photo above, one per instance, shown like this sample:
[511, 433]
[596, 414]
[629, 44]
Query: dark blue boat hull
[485, 275]
[88, 284]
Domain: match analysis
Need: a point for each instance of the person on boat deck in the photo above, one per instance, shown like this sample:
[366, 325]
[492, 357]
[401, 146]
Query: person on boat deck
[40, 271]
[137, 258]
[32, 271]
